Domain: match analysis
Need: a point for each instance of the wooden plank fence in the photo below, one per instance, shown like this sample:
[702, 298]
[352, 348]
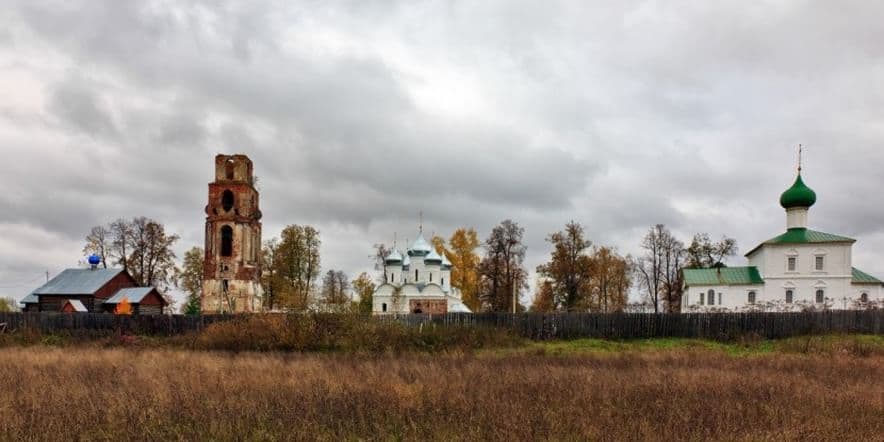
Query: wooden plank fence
[718, 326]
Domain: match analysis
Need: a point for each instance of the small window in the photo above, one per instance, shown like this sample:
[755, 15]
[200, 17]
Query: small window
[226, 241]
[416, 279]
[820, 263]
[702, 298]
[227, 200]
[820, 296]
[224, 286]
[431, 276]
[711, 296]
[864, 297]
[719, 299]
[793, 263]
[443, 281]
[229, 169]
[789, 294]
[384, 307]
[751, 297]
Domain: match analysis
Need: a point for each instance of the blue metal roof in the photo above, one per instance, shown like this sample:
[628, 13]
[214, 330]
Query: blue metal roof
[433, 257]
[420, 246]
[30, 299]
[133, 294]
[78, 282]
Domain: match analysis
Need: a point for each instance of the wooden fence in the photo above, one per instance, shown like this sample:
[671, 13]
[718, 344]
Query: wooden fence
[719, 326]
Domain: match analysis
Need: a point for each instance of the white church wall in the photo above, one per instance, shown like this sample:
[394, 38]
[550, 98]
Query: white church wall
[726, 297]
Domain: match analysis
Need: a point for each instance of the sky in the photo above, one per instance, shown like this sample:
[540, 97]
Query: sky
[359, 115]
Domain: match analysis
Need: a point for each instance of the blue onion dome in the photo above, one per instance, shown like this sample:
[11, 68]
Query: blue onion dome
[94, 260]
[433, 258]
[420, 247]
[393, 257]
[798, 196]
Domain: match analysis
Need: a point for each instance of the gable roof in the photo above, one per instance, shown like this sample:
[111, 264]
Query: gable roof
[722, 276]
[78, 282]
[803, 236]
[861, 277]
[133, 294]
[30, 299]
[77, 305]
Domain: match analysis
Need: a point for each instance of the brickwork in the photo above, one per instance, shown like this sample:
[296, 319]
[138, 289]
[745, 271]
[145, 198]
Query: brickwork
[232, 268]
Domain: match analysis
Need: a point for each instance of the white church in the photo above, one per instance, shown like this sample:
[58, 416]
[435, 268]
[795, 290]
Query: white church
[799, 269]
[417, 281]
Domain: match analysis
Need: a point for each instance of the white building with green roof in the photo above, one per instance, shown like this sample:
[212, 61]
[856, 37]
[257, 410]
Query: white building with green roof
[799, 269]
[417, 281]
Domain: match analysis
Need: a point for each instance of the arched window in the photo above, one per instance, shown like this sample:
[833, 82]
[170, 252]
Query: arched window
[864, 297]
[789, 294]
[443, 281]
[751, 297]
[226, 241]
[227, 200]
[711, 297]
[431, 276]
[820, 296]
[229, 169]
[416, 279]
[384, 307]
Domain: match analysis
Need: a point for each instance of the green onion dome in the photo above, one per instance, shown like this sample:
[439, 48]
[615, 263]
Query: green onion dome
[799, 195]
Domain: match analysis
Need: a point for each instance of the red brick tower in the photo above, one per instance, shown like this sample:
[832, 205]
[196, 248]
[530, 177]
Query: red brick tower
[232, 269]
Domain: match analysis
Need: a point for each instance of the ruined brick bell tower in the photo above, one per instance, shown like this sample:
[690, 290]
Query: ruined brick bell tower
[232, 268]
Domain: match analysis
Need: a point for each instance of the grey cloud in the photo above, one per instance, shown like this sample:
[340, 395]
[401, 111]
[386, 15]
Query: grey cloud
[617, 116]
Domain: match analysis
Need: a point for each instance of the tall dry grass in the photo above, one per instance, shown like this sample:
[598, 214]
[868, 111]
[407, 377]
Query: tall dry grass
[118, 394]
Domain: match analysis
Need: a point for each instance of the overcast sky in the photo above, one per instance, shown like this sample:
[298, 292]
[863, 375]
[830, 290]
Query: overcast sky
[358, 115]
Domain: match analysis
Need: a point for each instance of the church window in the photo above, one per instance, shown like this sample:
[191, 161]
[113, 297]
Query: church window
[820, 296]
[864, 297]
[225, 285]
[391, 277]
[820, 263]
[227, 200]
[711, 300]
[789, 296]
[793, 263]
[443, 281]
[751, 297]
[226, 241]
[431, 276]
[702, 298]
[416, 279]
[384, 307]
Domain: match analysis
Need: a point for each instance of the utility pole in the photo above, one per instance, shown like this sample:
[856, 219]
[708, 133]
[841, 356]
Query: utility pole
[47, 276]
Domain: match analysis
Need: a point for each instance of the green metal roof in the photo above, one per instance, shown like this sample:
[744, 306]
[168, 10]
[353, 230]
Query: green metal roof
[804, 236]
[722, 276]
[861, 277]
[799, 195]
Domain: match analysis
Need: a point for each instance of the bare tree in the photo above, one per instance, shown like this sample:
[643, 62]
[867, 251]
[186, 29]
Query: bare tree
[659, 269]
[98, 242]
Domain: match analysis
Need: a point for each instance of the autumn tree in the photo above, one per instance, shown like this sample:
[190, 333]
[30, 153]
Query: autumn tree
[501, 271]
[152, 261]
[705, 254]
[544, 298]
[140, 246]
[8, 305]
[659, 269]
[270, 280]
[461, 252]
[380, 261]
[99, 242]
[191, 279]
[364, 286]
[611, 280]
[123, 308]
[570, 268]
[297, 264]
[335, 287]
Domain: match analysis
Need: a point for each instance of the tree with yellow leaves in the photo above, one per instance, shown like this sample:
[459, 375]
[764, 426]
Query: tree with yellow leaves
[461, 251]
[123, 308]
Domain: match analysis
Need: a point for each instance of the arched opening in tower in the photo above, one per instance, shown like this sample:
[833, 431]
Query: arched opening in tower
[227, 200]
[226, 241]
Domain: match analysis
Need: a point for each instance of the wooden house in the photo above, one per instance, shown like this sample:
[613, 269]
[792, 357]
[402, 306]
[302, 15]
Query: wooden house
[90, 287]
[143, 300]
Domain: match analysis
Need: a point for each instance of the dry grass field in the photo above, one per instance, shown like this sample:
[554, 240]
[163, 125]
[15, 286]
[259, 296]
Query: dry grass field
[822, 389]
